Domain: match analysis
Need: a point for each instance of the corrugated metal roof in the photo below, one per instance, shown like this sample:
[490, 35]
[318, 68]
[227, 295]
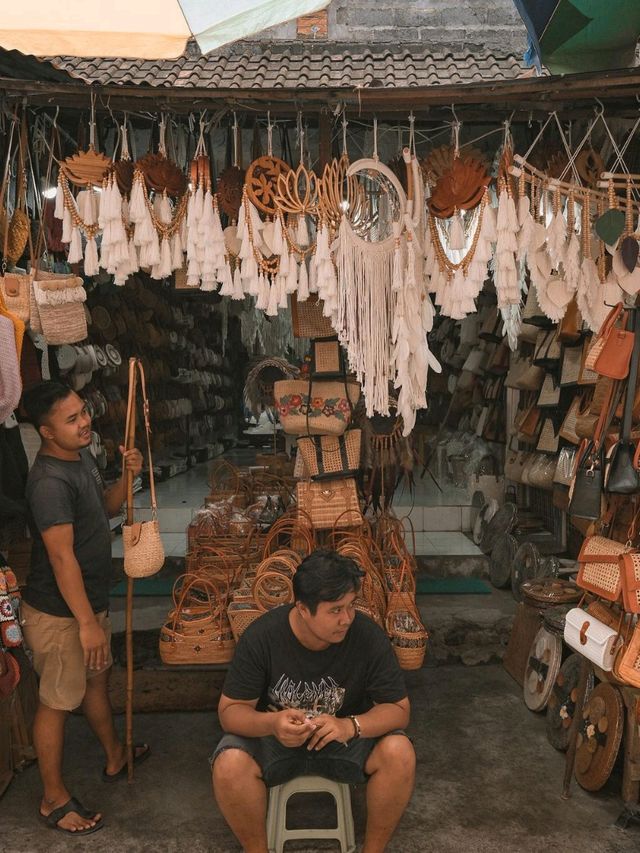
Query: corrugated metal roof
[298, 66]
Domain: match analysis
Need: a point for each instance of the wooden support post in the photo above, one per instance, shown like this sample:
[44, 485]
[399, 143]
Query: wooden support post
[129, 445]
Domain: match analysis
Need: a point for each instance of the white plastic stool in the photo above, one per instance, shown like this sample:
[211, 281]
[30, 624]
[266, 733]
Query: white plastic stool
[277, 832]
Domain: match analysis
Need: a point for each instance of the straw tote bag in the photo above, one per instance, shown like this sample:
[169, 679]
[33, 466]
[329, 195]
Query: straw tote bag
[143, 548]
[315, 408]
[60, 302]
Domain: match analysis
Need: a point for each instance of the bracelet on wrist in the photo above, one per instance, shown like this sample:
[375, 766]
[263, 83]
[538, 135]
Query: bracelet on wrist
[356, 728]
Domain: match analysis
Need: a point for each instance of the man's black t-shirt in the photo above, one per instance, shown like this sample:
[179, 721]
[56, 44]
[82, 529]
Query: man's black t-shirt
[347, 678]
[68, 492]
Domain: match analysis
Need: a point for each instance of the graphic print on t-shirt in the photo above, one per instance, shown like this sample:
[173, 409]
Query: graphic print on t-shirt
[323, 697]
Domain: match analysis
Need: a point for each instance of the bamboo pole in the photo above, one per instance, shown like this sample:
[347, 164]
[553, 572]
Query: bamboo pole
[129, 445]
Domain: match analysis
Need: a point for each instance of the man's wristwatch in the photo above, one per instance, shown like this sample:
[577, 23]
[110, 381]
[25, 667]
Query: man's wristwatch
[356, 728]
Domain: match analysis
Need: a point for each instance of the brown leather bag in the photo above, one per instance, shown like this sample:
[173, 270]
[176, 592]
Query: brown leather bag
[570, 328]
[615, 356]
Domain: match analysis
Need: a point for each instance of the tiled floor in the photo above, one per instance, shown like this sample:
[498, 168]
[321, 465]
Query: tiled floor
[437, 516]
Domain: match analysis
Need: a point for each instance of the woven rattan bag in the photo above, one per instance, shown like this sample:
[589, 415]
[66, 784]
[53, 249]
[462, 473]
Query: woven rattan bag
[15, 290]
[142, 542]
[308, 318]
[60, 301]
[331, 456]
[200, 634]
[329, 502]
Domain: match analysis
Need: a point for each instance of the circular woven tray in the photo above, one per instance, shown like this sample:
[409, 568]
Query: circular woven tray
[501, 560]
[501, 523]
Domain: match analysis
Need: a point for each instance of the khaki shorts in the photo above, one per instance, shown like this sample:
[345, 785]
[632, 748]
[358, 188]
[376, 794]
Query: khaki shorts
[58, 657]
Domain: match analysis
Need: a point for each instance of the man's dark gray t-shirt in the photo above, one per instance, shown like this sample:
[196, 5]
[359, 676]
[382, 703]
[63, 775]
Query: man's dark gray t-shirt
[63, 492]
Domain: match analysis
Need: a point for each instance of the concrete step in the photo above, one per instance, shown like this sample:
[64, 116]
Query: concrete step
[467, 629]
[443, 566]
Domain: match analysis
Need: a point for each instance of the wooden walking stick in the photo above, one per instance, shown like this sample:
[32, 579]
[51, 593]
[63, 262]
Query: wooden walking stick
[583, 679]
[129, 445]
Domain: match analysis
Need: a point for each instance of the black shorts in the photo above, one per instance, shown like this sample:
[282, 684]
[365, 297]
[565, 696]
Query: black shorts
[280, 763]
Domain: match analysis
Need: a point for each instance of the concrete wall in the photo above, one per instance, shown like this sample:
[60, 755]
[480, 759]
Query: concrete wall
[441, 24]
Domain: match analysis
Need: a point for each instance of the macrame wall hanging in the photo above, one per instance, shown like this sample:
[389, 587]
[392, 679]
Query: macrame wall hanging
[380, 311]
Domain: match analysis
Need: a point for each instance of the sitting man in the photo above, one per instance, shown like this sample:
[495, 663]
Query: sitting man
[314, 688]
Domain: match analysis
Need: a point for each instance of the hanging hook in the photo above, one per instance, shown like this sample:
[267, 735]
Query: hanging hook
[92, 121]
[345, 124]
[412, 133]
[269, 134]
[235, 139]
[375, 139]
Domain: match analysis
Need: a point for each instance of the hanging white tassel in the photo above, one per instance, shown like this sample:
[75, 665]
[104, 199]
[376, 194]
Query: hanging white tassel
[456, 233]
[67, 226]
[238, 292]
[91, 266]
[396, 278]
[285, 261]
[164, 266]
[303, 283]
[313, 276]
[292, 275]
[75, 247]
[280, 285]
[153, 250]
[262, 299]
[176, 251]
[278, 237]
[59, 209]
[302, 232]
[272, 303]
[134, 264]
[227, 284]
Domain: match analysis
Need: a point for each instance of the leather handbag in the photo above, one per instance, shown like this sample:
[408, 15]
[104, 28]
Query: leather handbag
[524, 375]
[598, 642]
[142, 542]
[328, 503]
[492, 326]
[570, 328]
[529, 425]
[585, 493]
[330, 457]
[548, 350]
[615, 356]
[614, 317]
[630, 576]
[622, 476]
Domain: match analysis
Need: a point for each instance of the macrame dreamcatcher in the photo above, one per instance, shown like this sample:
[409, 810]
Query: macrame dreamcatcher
[380, 306]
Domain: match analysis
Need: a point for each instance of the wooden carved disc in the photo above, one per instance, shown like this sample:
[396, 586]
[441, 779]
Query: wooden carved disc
[461, 188]
[261, 181]
[230, 184]
[162, 174]
[600, 742]
[86, 168]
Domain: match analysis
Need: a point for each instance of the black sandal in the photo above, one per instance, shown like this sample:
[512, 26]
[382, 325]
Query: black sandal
[51, 820]
[137, 759]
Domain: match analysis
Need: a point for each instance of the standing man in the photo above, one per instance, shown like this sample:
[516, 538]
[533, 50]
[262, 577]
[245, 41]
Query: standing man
[66, 600]
[314, 688]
